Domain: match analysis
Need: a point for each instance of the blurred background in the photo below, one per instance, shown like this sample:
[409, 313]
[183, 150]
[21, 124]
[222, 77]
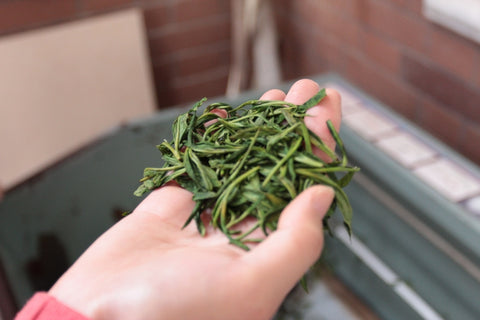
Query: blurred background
[425, 70]
[73, 71]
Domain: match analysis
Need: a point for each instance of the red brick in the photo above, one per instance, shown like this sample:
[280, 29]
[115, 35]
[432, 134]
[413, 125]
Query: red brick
[414, 6]
[454, 53]
[476, 68]
[304, 51]
[469, 143]
[286, 46]
[193, 9]
[407, 29]
[386, 87]
[306, 11]
[158, 16]
[178, 38]
[322, 18]
[290, 55]
[441, 122]
[311, 64]
[348, 8]
[341, 27]
[23, 14]
[196, 61]
[163, 71]
[162, 77]
[210, 85]
[442, 86]
[202, 60]
[330, 50]
[101, 5]
[381, 51]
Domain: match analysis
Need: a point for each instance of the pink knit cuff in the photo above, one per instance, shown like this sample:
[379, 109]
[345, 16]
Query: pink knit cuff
[45, 307]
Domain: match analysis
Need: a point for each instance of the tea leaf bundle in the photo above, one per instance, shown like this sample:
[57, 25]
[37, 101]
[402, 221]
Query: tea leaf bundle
[250, 164]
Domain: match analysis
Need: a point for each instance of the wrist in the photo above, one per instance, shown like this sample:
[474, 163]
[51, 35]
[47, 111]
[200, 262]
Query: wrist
[78, 300]
[42, 305]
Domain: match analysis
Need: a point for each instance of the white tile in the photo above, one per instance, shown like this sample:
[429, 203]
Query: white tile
[369, 124]
[406, 149]
[349, 109]
[348, 97]
[449, 179]
[473, 205]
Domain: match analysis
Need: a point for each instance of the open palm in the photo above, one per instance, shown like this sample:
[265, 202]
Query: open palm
[147, 267]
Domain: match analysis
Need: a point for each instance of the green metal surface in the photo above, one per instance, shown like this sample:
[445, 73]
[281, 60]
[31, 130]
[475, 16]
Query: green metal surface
[365, 283]
[442, 283]
[428, 241]
[78, 199]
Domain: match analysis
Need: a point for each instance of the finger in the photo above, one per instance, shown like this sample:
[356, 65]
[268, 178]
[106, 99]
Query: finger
[285, 255]
[170, 202]
[301, 91]
[273, 94]
[328, 109]
[219, 112]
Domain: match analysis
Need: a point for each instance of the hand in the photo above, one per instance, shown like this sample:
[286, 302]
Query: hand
[147, 267]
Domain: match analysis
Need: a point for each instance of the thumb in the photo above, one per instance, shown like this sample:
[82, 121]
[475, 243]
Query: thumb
[285, 255]
[169, 202]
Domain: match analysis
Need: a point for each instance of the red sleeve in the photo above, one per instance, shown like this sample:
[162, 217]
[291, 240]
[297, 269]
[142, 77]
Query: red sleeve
[45, 307]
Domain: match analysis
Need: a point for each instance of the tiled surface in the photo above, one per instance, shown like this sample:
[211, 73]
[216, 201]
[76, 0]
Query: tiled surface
[369, 125]
[406, 149]
[449, 179]
[473, 205]
[437, 170]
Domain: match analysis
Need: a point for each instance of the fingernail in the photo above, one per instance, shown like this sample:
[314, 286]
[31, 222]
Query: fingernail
[322, 199]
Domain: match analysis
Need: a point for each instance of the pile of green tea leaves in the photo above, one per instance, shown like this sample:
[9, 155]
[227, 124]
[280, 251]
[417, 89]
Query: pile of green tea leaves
[250, 164]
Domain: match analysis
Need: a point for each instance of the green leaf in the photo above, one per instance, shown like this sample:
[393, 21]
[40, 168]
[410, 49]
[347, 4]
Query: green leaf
[179, 130]
[313, 101]
[249, 165]
[203, 176]
[204, 195]
[140, 191]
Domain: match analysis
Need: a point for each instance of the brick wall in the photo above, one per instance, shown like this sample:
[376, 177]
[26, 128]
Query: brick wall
[188, 39]
[425, 72]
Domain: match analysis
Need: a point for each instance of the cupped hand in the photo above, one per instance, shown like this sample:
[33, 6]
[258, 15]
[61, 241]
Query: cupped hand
[147, 267]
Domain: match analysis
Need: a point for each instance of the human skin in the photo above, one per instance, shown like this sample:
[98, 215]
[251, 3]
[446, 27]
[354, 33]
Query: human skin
[147, 267]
